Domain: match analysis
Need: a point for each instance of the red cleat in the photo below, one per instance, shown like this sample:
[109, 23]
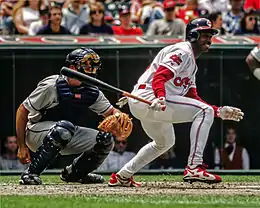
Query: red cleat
[116, 180]
[200, 173]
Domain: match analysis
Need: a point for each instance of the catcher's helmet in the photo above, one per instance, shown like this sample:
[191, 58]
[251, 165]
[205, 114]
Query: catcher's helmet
[85, 60]
[194, 27]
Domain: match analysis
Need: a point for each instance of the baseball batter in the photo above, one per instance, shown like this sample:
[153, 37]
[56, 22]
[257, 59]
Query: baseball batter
[169, 82]
[253, 61]
[52, 120]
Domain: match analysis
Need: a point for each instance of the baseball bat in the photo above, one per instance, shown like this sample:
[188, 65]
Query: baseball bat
[91, 80]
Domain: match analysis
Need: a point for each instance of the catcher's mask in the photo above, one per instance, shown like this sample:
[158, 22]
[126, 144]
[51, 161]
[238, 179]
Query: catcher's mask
[85, 61]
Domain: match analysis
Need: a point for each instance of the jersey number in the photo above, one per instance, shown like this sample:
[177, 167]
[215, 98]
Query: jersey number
[176, 59]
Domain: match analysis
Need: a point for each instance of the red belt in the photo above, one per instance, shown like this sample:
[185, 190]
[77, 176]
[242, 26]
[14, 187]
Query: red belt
[142, 86]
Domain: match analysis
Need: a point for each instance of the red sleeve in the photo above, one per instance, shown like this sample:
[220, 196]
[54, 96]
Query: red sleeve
[192, 93]
[161, 76]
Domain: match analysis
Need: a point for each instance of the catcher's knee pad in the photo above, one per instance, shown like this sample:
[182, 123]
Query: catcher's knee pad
[61, 134]
[57, 139]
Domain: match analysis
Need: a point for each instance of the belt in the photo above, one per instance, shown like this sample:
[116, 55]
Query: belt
[142, 86]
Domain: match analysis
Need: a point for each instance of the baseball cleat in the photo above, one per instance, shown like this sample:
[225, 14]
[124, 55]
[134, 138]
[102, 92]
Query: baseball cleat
[116, 180]
[199, 173]
[67, 176]
[29, 179]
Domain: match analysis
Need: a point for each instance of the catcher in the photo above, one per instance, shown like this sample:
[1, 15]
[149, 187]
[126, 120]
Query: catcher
[52, 120]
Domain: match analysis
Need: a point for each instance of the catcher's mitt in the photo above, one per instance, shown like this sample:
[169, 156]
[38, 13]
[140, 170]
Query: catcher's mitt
[118, 124]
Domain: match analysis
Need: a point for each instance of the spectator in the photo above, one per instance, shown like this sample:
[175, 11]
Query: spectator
[167, 160]
[231, 19]
[36, 26]
[54, 26]
[150, 11]
[135, 7]
[216, 19]
[248, 24]
[169, 25]
[252, 4]
[75, 16]
[24, 13]
[97, 25]
[117, 158]
[9, 160]
[214, 5]
[125, 28]
[232, 156]
[6, 11]
[189, 12]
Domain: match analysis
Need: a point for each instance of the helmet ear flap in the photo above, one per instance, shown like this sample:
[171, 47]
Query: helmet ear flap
[195, 35]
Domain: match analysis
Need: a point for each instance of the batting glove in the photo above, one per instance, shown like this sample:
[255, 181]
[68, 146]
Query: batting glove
[159, 104]
[121, 102]
[230, 113]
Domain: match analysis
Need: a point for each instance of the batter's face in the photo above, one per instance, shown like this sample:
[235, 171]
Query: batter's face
[204, 41]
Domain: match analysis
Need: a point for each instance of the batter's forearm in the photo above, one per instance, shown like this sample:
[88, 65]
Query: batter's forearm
[21, 122]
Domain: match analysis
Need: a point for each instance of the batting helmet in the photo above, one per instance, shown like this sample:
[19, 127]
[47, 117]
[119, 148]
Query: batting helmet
[194, 27]
[85, 61]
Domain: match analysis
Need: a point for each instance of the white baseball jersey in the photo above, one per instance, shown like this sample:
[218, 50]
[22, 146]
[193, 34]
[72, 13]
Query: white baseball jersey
[256, 53]
[180, 60]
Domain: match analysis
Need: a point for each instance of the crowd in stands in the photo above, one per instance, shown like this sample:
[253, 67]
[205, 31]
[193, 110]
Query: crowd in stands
[126, 17]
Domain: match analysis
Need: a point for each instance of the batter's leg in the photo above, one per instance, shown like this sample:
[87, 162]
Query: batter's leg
[164, 139]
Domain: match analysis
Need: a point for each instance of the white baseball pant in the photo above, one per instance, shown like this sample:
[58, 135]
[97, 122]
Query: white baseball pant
[158, 126]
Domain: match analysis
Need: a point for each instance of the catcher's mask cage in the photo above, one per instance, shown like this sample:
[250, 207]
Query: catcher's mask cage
[85, 61]
[194, 28]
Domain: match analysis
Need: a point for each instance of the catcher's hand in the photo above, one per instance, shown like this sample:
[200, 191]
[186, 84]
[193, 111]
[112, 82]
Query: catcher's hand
[118, 124]
[230, 113]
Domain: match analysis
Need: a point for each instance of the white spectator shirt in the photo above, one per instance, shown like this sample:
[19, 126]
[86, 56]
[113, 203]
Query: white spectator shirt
[35, 27]
[115, 161]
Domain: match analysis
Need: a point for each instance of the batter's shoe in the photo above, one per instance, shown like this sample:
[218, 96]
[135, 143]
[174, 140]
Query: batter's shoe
[67, 176]
[199, 173]
[30, 179]
[116, 180]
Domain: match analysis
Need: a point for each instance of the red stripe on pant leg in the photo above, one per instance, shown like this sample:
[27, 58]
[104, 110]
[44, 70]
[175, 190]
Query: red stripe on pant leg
[197, 136]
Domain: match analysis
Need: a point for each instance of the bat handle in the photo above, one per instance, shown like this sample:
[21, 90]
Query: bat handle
[127, 94]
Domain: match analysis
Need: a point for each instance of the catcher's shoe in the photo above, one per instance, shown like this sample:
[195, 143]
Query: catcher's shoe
[89, 178]
[199, 173]
[116, 180]
[30, 179]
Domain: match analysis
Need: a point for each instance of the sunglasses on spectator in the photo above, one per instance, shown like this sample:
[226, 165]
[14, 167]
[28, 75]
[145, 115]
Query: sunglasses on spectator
[122, 142]
[97, 12]
[252, 18]
[169, 9]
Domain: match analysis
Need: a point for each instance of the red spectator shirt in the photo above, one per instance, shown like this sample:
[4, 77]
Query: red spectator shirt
[255, 4]
[119, 30]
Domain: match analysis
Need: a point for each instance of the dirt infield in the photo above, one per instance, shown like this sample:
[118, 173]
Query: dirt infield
[149, 188]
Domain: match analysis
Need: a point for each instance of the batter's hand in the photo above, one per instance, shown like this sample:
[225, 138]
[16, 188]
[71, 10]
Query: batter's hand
[24, 155]
[230, 113]
[159, 104]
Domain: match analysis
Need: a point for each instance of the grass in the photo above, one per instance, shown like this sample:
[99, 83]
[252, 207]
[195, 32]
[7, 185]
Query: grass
[50, 179]
[116, 201]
